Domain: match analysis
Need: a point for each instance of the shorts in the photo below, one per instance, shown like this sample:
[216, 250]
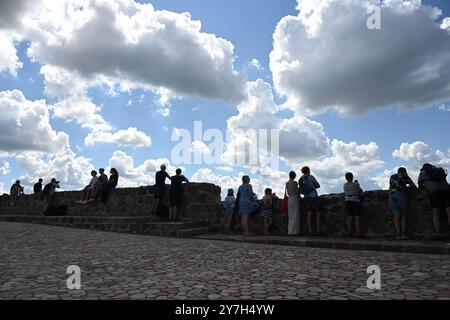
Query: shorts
[159, 192]
[266, 213]
[312, 204]
[398, 202]
[353, 208]
[440, 199]
[175, 199]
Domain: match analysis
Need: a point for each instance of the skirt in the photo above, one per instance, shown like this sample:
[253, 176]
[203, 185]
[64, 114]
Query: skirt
[294, 216]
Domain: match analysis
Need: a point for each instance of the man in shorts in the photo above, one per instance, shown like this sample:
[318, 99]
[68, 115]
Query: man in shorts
[90, 191]
[352, 191]
[399, 183]
[434, 181]
[308, 186]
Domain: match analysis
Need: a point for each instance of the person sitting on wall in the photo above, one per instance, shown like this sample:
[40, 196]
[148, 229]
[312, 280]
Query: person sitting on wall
[353, 192]
[109, 185]
[160, 189]
[37, 188]
[399, 183]
[16, 189]
[176, 190]
[434, 181]
[90, 191]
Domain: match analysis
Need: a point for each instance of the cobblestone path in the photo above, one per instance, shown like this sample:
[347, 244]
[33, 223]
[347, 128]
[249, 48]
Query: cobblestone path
[34, 258]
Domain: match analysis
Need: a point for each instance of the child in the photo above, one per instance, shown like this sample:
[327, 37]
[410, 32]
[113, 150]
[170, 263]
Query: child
[229, 206]
[267, 210]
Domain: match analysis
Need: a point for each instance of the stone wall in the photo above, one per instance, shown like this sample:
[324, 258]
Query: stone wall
[201, 202]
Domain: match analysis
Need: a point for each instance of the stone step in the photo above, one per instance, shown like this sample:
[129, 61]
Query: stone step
[134, 225]
[187, 233]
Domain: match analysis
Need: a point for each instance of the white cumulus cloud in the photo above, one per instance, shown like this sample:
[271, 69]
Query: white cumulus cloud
[327, 57]
[25, 125]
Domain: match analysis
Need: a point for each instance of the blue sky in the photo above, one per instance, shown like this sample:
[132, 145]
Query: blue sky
[348, 128]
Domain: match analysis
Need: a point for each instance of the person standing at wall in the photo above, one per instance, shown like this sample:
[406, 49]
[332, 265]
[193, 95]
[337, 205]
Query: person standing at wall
[308, 186]
[399, 184]
[176, 191]
[434, 181]
[293, 205]
[353, 206]
[160, 188]
[247, 205]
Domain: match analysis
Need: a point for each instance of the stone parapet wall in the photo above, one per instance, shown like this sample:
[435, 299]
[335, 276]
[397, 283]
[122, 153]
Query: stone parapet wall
[201, 202]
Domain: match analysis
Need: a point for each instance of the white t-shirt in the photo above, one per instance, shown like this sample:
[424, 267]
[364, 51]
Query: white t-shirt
[94, 182]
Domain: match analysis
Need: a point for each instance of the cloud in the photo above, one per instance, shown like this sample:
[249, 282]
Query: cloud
[134, 45]
[327, 57]
[4, 168]
[419, 153]
[12, 12]
[70, 90]
[142, 175]
[360, 159]
[25, 126]
[299, 138]
[9, 60]
[255, 64]
[445, 24]
[73, 171]
[126, 138]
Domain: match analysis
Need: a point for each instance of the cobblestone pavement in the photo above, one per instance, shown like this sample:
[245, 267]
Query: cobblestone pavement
[34, 258]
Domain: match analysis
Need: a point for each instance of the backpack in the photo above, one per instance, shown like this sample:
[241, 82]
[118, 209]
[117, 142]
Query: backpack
[437, 174]
[304, 187]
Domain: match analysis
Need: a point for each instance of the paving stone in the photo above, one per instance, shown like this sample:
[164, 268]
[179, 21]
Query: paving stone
[124, 266]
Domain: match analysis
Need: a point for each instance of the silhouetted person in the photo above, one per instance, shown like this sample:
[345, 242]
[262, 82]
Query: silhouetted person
[308, 186]
[176, 190]
[37, 188]
[49, 192]
[160, 188]
[398, 200]
[90, 191]
[16, 189]
[353, 206]
[109, 185]
[434, 181]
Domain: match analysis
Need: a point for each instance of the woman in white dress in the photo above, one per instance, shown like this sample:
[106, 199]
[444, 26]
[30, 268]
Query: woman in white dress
[293, 205]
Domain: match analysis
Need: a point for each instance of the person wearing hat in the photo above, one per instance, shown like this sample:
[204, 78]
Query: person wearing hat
[308, 186]
[229, 205]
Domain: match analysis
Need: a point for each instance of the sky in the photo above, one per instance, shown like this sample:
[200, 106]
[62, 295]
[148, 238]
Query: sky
[122, 83]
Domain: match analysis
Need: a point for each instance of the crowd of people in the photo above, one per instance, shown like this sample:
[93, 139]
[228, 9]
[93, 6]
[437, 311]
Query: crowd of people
[432, 180]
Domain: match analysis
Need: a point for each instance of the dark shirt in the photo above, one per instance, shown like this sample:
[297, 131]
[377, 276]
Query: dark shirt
[160, 178]
[400, 183]
[113, 180]
[37, 188]
[177, 184]
[103, 179]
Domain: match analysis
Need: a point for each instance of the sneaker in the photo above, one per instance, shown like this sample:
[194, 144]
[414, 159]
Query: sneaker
[404, 237]
[80, 202]
[398, 237]
[436, 237]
